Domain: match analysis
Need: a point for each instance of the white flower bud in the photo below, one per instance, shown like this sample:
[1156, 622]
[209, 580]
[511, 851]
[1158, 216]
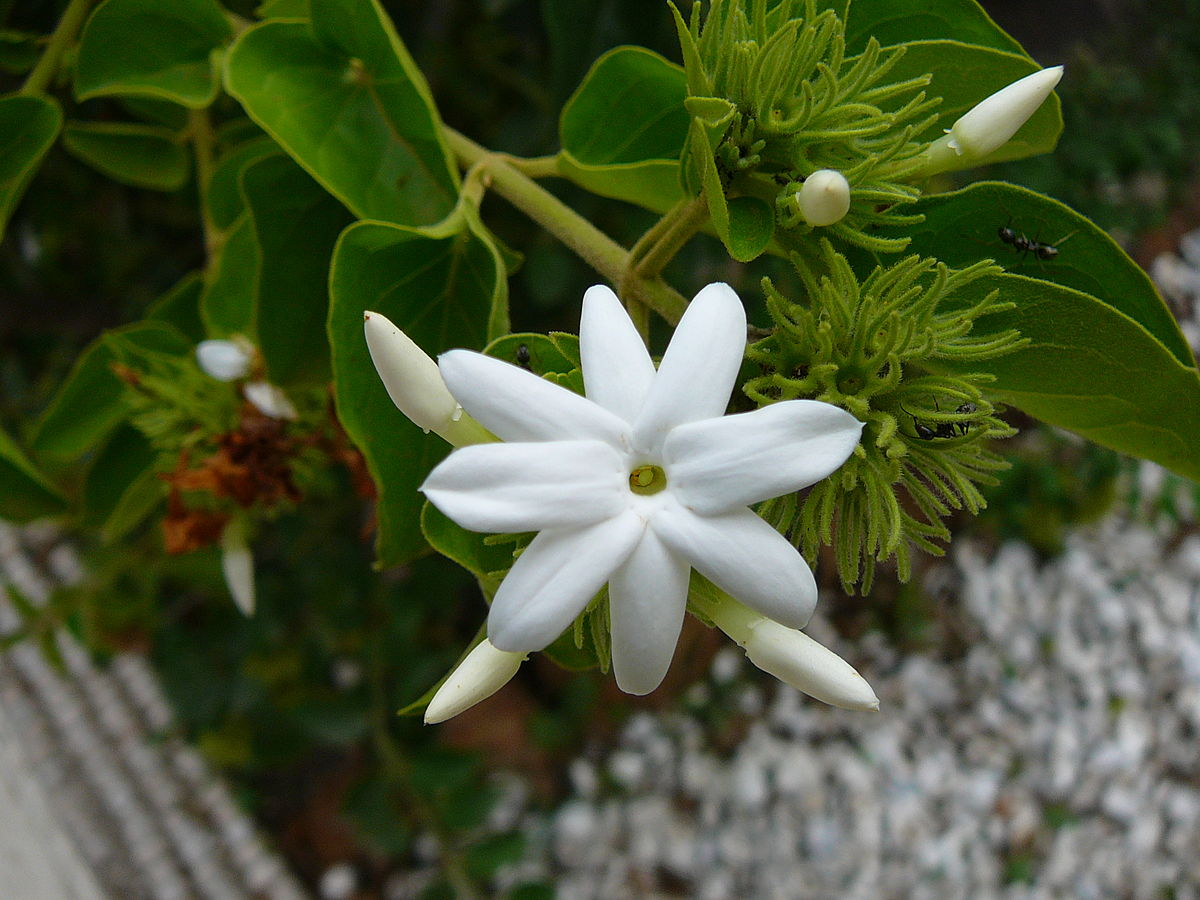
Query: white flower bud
[824, 198]
[484, 671]
[270, 400]
[224, 360]
[797, 660]
[415, 384]
[989, 125]
[237, 564]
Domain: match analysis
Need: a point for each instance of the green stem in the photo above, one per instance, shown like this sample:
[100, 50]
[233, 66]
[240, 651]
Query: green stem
[64, 33]
[592, 245]
[201, 135]
[535, 166]
[682, 222]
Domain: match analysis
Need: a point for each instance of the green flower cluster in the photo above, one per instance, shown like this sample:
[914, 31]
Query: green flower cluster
[775, 99]
[890, 351]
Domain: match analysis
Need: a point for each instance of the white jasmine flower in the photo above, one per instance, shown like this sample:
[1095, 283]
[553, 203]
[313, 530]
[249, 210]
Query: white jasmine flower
[270, 400]
[637, 483]
[237, 564]
[824, 198]
[989, 125]
[225, 360]
[484, 671]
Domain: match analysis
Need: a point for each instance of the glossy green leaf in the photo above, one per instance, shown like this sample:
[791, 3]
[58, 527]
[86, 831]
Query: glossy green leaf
[345, 99]
[229, 302]
[283, 9]
[158, 112]
[143, 156]
[1094, 370]
[965, 74]
[154, 49]
[28, 127]
[25, 493]
[962, 227]
[121, 487]
[623, 130]
[225, 201]
[180, 307]
[901, 21]
[89, 403]
[440, 285]
[296, 223]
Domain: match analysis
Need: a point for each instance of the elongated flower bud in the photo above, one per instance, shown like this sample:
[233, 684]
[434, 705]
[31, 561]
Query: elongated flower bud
[415, 385]
[989, 125]
[270, 400]
[237, 564]
[790, 655]
[797, 660]
[484, 671]
[224, 360]
[824, 198]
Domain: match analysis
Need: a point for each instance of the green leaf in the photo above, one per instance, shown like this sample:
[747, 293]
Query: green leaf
[485, 559]
[180, 306]
[1094, 370]
[158, 112]
[229, 303]
[965, 74]
[225, 201]
[25, 493]
[153, 49]
[122, 487]
[961, 227]
[296, 223]
[89, 404]
[18, 50]
[901, 21]
[542, 354]
[283, 9]
[624, 129]
[28, 126]
[345, 99]
[143, 156]
[751, 227]
[440, 285]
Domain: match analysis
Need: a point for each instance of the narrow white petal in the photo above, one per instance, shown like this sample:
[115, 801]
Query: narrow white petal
[224, 360]
[529, 486]
[647, 597]
[745, 557]
[698, 370]
[483, 672]
[237, 565]
[796, 659]
[554, 579]
[617, 370]
[516, 405]
[716, 465]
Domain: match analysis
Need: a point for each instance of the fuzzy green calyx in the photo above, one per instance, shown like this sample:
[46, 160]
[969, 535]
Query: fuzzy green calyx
[870, 348]
[798, 105]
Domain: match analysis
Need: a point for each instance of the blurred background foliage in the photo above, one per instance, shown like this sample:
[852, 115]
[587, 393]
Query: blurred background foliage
[297, 704]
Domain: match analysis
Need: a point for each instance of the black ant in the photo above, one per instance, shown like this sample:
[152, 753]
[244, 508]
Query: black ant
[929, 432]
[523, 357]
[1024, 244]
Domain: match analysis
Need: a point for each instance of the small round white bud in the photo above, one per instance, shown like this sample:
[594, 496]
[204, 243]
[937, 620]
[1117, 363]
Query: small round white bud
[824, 197]
[224, 360]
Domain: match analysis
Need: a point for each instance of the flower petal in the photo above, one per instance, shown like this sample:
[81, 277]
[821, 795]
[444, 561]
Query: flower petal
[617, 370]
[529, 486]
[647, 597]
[698, 370]
[554, 579]
[516, 405]
[745, 557]
[716, 465]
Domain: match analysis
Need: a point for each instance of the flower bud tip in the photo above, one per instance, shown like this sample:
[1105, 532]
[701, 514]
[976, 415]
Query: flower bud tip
[483, 672]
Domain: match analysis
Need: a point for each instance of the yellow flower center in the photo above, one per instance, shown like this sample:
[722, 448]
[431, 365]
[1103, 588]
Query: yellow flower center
[647, 480]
